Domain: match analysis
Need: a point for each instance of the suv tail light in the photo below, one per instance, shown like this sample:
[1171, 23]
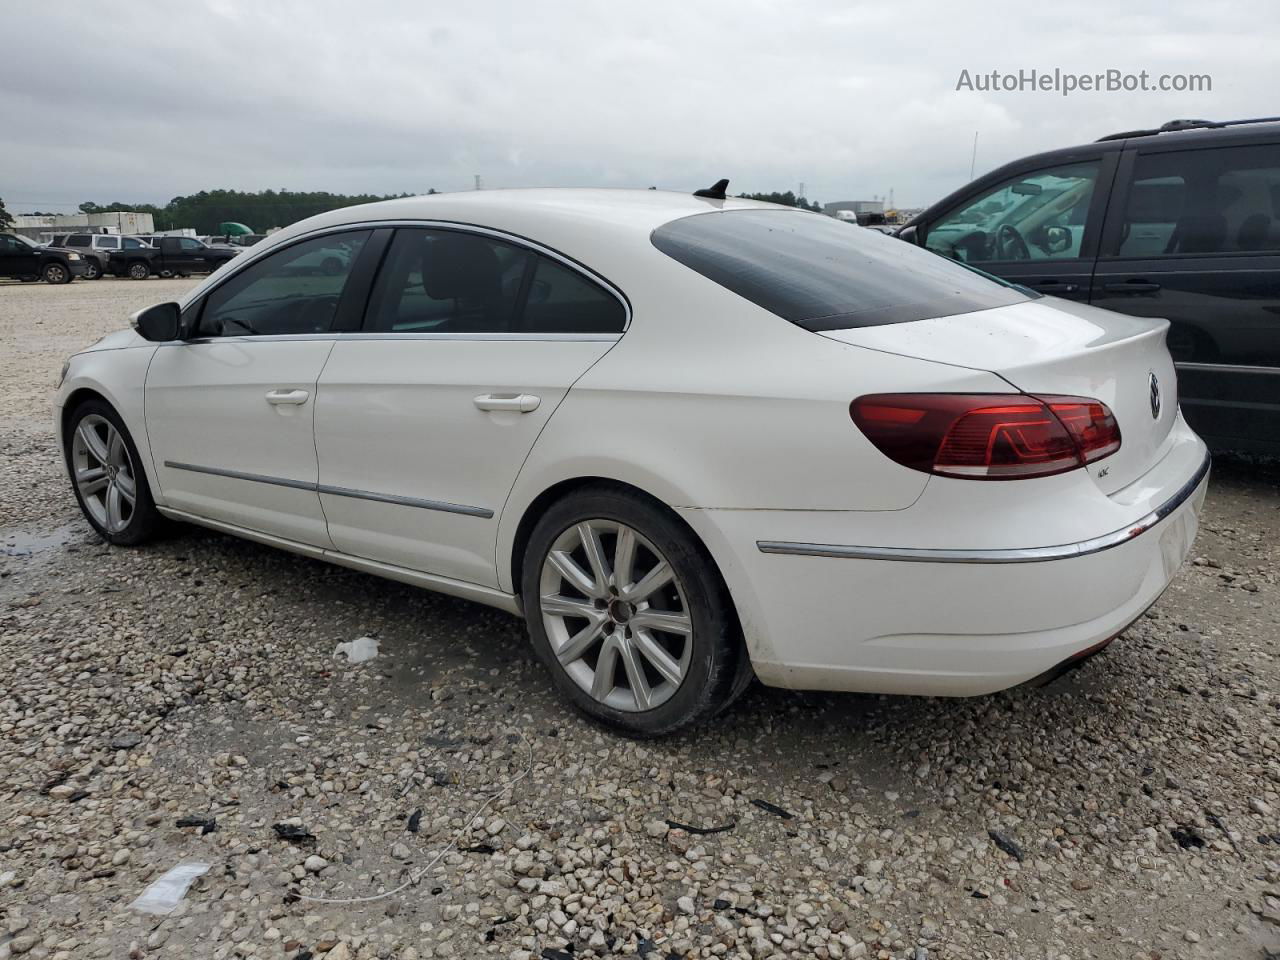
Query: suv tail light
[987, 436]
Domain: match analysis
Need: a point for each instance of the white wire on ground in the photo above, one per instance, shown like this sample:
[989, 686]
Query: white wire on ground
[418, 874]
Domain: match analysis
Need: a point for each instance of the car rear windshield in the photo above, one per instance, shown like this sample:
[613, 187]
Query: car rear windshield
[826, 274]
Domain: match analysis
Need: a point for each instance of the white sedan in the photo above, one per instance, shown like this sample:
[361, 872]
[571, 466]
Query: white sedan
[692, 440]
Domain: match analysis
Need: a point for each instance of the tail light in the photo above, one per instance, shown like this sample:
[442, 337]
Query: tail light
[987, 436]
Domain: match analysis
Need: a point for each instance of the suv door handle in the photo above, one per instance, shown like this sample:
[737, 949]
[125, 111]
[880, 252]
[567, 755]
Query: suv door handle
[1131, 286]
[521, 403]
[1056, 285]
[295, 397]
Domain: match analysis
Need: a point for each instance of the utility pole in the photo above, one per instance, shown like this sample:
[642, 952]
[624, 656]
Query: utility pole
[479, 182]
[974, 159]
[801, 194]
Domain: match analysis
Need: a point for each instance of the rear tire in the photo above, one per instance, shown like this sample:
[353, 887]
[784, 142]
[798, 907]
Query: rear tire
[107, 476]
[631, 646]
[92, 271]
[139, 270]
[56, 273]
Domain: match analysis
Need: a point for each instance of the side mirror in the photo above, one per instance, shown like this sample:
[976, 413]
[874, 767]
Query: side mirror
[908, 234]
[1057, 239]
[158, 323]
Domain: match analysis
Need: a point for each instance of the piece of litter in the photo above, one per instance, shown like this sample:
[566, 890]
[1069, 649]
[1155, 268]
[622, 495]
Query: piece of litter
[293, 833]
[163, 894]
[701, 831]
[358, 650]
[415, 822]
[773, 808]
[206, 824]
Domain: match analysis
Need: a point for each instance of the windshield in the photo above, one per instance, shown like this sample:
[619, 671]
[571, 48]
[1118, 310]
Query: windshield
[28, 241]
[825, 274]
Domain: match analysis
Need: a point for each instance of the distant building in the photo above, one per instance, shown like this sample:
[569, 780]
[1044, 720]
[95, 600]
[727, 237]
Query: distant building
[41, 227]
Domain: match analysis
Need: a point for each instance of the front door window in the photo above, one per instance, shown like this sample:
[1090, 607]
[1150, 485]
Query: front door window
[1038, 216]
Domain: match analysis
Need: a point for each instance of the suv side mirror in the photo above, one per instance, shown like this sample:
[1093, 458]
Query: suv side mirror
[908, 234]
[158, 323]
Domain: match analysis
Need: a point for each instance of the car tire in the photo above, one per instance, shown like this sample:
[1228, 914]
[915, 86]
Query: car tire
[641, 660]
[92, 271]
[56, 273]
[107, 476]
[165, 274]
[139, 270]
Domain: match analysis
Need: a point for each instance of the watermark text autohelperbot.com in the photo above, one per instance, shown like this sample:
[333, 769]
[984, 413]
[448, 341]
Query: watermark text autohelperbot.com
[1065, 83]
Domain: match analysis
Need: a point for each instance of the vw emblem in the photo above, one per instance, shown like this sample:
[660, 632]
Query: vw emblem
[1155, 397]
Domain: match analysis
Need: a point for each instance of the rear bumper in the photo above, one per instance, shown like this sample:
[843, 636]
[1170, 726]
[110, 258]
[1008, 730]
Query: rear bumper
[833, 615]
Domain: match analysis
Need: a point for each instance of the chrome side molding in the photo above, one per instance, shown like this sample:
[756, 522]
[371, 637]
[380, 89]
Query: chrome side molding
[1015, 555]
[483, 512]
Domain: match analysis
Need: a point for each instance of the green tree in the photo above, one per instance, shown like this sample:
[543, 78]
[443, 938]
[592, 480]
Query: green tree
[6, 219]
[787, 199]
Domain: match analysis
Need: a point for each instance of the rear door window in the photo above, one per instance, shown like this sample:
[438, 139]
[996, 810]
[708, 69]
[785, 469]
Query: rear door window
[825, 274]
[1224, 200]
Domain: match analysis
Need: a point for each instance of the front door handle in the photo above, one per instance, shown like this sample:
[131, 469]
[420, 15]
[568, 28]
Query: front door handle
[277, 397]
[521, 403]
[1056, 286]
[1131, 286]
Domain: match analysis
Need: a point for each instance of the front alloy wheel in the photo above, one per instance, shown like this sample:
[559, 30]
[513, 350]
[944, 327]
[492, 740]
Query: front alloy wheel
[616, 616]
[104, 473]
[56, 273]
[107, 474]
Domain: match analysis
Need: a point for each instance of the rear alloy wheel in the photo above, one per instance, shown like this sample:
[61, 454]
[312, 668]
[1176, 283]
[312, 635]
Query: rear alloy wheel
[91, 270]
[630, 614]
[56, 273]
[109, 483]
[139, 270]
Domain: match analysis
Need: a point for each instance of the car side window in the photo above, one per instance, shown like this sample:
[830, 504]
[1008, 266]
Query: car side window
[8, 244]
[132, 243]
[293, 291]
[564, 301]
[1036, 216]
[447, 281]
[79, 241]
[186, 243]
[109, 243]
[1224, 200]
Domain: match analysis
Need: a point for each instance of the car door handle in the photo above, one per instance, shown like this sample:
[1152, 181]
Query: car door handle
[521, 403]
[278, 397]
[1056, 286]
[1131, 286]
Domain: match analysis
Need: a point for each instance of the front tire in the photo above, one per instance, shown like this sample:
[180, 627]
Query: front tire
[56, 273]
[629, 613]
[107, 476]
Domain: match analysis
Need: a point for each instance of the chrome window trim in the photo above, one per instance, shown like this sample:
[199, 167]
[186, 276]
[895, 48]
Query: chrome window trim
[423, 504]
[1063, 551]
[246, 260]
[387, 335]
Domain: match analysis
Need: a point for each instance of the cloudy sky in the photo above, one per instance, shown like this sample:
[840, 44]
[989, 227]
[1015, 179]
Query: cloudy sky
[143, 101]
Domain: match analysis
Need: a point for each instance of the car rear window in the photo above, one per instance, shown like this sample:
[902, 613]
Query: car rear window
[825, 274]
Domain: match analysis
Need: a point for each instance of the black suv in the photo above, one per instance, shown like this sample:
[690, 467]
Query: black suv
[1181, 222]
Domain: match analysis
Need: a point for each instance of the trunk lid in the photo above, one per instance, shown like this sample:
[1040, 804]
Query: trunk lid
[1058, 347]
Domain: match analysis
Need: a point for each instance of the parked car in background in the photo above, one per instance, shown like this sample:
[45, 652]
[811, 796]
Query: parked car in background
[107, 242]
[691, 439]
[95, 261]
[171, 256]
[1180, 222]
[24, 259]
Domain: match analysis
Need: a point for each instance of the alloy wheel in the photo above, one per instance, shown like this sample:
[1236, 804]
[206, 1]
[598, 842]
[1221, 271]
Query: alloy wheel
[615, 614]
[104, 473]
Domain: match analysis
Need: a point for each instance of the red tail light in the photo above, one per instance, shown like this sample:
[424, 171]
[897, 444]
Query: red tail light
[987, 436]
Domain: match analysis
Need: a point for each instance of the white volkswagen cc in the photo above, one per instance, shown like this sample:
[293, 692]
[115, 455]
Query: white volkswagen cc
[691, 440]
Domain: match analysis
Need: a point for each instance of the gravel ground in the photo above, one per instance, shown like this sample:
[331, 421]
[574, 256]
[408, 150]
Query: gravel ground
[1132, 809]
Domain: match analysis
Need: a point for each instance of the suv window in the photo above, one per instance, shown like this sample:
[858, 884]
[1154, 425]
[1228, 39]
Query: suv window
[10, 244]
[1224, 200]
[295, 290]
[133, 243]
[826, 274]
[1036, 216]
[107, 243]
[186, 243]
[79, 240]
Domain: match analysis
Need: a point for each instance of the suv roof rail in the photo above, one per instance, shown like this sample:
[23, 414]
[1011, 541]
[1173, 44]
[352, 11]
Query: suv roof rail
[1174, 126]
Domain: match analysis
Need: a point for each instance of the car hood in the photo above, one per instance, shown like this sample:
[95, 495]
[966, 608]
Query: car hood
[118, 340]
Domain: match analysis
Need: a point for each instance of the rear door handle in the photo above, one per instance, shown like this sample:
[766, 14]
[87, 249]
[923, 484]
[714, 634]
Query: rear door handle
[295, 397]
[520, 403]
[1131, 286]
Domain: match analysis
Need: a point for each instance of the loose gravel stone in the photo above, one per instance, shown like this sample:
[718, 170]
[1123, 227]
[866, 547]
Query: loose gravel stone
[193, 680]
